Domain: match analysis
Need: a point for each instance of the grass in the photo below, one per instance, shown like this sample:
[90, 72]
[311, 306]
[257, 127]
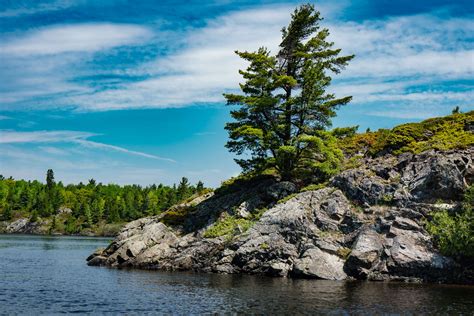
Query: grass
[314, 187]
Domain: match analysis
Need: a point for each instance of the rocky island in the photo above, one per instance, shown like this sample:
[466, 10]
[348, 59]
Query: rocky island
[371, 221]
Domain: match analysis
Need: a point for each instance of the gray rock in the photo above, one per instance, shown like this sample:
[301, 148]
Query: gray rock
[319, 264]
[315, 234]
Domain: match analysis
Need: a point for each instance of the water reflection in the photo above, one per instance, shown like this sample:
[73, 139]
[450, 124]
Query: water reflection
[49, 275]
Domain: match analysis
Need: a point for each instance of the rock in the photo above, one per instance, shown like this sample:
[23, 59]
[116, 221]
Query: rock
[405, 223]
[365, 252]
[24, 226]
[319, 264]
[280, 190]
[432, 176]
[17, 226]
[64, 210]
[367, 224]
[242, 210]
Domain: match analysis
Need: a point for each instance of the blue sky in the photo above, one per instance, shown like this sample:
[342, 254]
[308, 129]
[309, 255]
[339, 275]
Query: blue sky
[131, 91]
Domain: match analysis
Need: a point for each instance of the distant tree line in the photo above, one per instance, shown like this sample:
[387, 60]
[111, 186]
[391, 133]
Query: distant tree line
[90, 203]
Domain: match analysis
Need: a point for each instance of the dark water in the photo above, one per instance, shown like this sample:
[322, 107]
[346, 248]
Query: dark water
[49, 275]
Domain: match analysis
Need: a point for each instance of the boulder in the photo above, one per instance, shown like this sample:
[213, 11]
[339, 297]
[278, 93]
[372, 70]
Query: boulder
[316, 263]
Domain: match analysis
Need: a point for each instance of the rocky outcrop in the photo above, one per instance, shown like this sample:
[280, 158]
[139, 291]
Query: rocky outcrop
[24, 226]
[367, 224]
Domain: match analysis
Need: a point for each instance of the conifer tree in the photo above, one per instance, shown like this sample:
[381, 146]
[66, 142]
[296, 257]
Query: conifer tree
[50, 179]
[285, 109]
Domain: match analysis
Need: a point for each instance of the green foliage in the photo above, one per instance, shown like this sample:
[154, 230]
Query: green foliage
[387, 199]
[286, 198]
[441, 133]
[93, 205]
[284, 107]
[229, 226]
[454, 233]
[264, 246]
[34, 217]
[344, 252]
[314, 187]
[53, 226]
[7, 213]
[352, 162]
[177, 215]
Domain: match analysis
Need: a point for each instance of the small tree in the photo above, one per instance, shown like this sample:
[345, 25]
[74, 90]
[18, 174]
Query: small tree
[199, 187]
[284, 109]
[7, 213]
[183, 188]
[50, 179]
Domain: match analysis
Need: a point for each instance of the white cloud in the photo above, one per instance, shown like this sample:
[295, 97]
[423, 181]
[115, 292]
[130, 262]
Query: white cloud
[392, 55]
[54, 151]
[90, 37]
[12, 137]
[80, 138]
[34, 8]
[91, 144]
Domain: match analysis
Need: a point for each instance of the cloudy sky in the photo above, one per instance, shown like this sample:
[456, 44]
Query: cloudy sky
[131, 91]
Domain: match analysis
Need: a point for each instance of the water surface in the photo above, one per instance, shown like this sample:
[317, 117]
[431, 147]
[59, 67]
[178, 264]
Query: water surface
[49, 275]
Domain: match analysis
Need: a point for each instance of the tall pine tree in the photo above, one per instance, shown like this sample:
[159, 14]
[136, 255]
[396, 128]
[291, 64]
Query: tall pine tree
[285, 110]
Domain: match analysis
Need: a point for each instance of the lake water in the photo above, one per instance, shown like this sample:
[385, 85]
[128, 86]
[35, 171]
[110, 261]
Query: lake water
[49, 275]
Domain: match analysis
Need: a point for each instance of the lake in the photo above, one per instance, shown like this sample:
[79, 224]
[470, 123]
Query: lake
[49, 275]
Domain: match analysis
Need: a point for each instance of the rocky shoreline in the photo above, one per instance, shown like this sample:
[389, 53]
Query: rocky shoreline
[367, 224]
[24, 226]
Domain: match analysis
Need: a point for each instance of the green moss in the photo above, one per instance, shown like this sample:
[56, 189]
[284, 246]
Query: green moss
[264, 246]
[344, 252]
[387, 199]
[286, 198]
[228, 226]
[314, 187]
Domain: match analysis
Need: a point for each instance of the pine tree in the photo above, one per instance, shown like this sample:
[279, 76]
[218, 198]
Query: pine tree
[50, 179]
[285, 109]
[7, 213]
[183, 188]
[199, 187]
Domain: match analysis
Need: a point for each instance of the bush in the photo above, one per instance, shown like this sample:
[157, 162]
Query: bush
[177, 215]
[441, 133]
[454, 233]
[229, 226]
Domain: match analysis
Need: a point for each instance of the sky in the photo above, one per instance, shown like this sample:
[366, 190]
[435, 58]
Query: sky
[130, 92]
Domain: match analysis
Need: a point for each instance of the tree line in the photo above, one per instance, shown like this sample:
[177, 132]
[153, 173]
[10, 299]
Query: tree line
[90, 203]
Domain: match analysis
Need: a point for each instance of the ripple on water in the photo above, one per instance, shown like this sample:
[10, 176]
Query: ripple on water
[49, 275]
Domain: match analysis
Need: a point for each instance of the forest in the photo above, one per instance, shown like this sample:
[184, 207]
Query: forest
[75, 207]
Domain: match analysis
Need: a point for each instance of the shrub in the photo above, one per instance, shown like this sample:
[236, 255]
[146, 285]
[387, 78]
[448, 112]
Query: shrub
[177, 215]
[454, 233]
[229, 226]
[441, 133]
